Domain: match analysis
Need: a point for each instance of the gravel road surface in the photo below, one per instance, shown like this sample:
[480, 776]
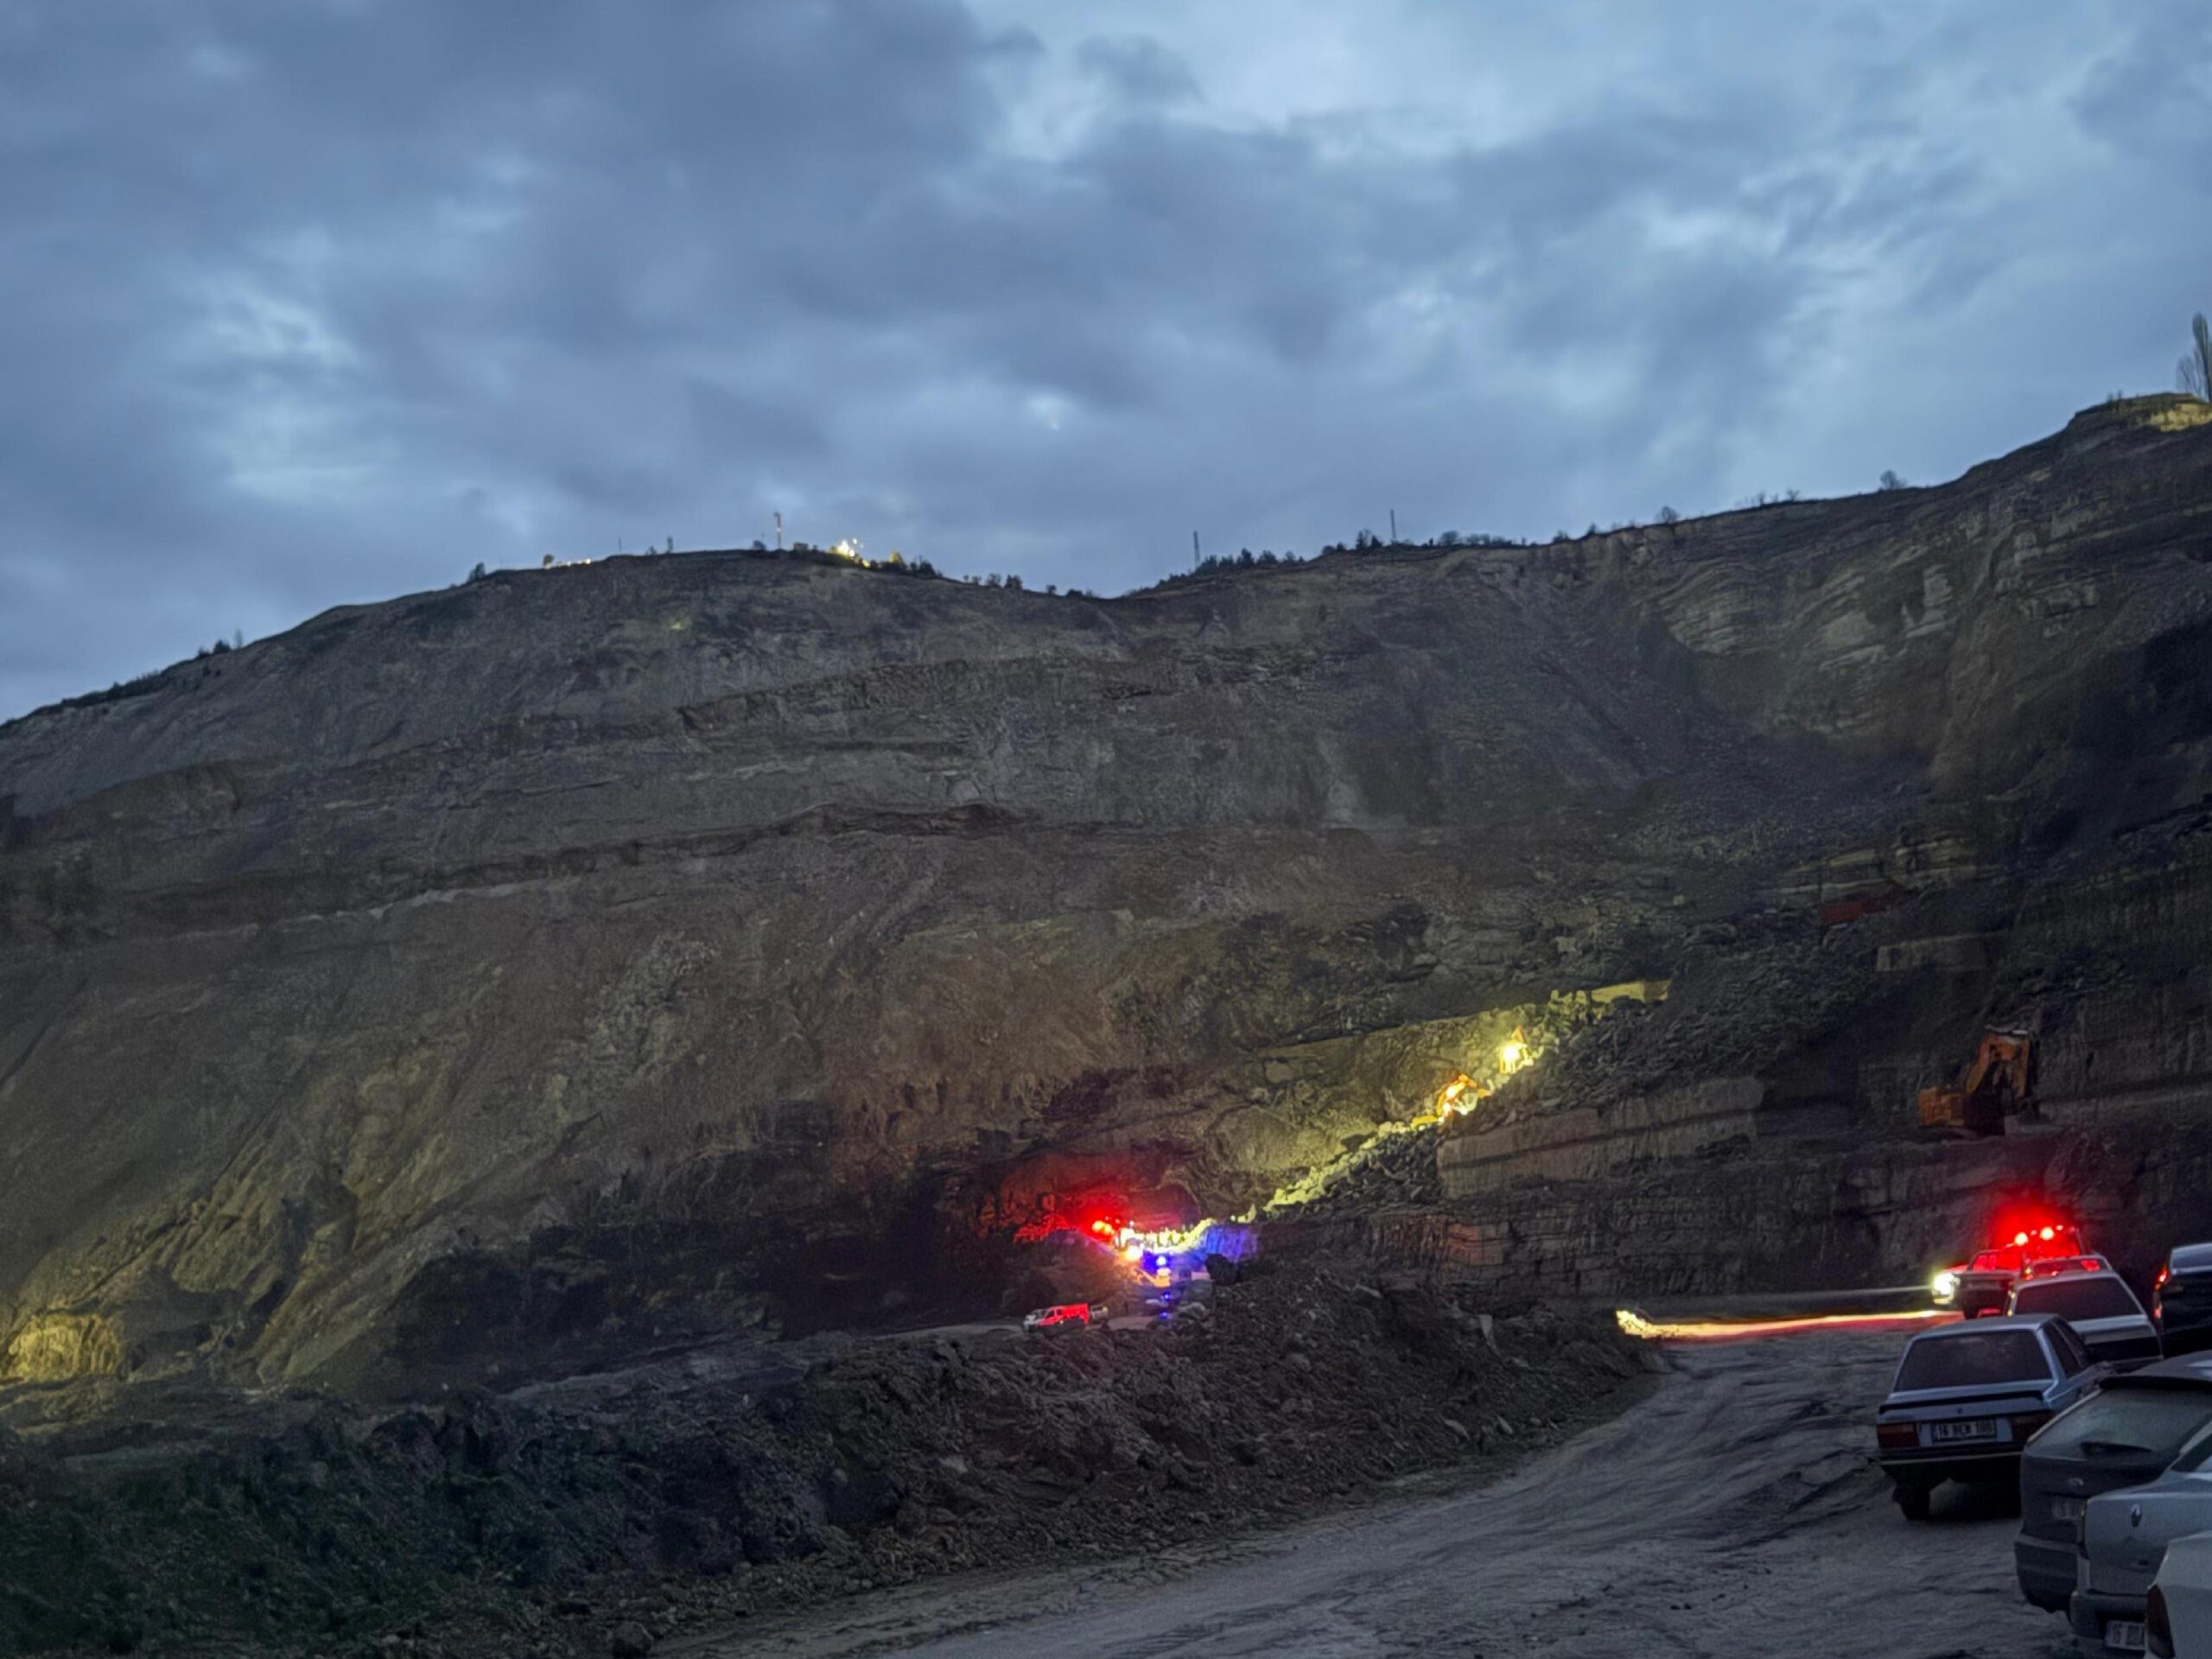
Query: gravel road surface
[1732, 1513]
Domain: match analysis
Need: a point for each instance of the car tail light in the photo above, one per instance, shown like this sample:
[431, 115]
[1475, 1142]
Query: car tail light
[2157, 1629]
[1896, 1437]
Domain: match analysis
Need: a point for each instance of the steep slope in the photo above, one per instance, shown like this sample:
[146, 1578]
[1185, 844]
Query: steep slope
[532, 967]
[1761, 1131]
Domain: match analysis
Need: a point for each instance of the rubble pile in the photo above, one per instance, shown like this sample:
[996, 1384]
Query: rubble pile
[605, 1522]
[1391, 1171]
[1749, 992]
[1746, 993]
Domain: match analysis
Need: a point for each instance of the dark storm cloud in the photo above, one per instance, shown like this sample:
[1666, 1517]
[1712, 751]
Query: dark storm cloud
[320, 300]
[1140, 69]
[2156, 90]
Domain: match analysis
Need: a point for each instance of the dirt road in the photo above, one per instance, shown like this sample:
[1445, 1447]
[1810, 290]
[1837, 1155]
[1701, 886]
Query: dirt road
[1733, 1512]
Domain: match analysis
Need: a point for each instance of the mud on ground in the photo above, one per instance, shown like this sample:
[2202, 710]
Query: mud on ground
[600, 1516]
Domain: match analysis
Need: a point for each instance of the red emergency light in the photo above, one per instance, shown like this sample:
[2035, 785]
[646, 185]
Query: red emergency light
[2028, 1225]
[1096, 1216]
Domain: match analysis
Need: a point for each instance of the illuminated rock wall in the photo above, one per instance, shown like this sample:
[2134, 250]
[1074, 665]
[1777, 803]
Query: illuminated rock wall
[522, 972]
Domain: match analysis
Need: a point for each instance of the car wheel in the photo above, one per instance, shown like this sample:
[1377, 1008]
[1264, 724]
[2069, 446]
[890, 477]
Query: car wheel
[1913, 1499]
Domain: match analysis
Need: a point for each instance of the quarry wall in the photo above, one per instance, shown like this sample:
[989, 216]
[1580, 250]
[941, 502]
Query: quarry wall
[578, 957]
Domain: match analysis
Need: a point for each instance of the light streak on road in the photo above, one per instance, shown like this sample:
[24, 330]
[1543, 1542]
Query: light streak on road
[1735, 1329]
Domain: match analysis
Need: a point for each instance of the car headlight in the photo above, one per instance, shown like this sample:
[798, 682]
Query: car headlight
[1945, 1285]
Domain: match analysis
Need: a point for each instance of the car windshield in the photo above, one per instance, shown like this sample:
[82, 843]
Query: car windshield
[2128, 1423]
[1995, 1261]
[1966, 1359]
[2076, 1298]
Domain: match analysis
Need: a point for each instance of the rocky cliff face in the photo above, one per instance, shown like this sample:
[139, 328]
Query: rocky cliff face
[2052, 872]
[577, 957]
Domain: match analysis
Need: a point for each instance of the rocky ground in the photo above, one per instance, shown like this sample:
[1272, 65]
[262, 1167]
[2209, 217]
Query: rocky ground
[1736, 1511]
[608, 1513]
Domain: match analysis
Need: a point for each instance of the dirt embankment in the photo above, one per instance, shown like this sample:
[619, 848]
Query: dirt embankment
[1738, 1512]
[601, 1517]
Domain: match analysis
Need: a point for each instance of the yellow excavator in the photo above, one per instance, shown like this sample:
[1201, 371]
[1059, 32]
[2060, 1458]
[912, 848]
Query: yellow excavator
[1998, 1084]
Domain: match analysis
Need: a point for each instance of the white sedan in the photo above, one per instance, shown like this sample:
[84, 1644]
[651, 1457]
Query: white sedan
[2101, 1309]
[2178, 1625]
[2123, 1536]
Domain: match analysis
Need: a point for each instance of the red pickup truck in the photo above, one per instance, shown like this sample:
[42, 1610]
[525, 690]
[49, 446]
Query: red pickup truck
[1983, 1285]
[1065, 1316]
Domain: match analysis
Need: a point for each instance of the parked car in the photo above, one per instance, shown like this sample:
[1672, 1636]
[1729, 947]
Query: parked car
[2124, 1536]
[2101, 1309]
[2181, 1301]
[2124, 1435]
[1967, 1396]
[2177, 1614]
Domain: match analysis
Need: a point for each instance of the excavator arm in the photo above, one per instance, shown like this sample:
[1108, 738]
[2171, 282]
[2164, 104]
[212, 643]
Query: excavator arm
[1998, 1082]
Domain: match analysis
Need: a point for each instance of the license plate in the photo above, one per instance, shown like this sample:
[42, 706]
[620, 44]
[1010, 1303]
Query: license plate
[2066, 1509]
[1975, 1429]
[2125, 1634]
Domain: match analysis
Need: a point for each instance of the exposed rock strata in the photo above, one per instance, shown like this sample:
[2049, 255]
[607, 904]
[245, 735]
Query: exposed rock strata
[560, 962]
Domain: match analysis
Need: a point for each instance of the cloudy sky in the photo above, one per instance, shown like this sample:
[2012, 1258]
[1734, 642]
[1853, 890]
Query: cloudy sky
[310, 301]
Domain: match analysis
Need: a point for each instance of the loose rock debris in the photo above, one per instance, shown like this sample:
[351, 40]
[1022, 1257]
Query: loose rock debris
[617, 1515]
